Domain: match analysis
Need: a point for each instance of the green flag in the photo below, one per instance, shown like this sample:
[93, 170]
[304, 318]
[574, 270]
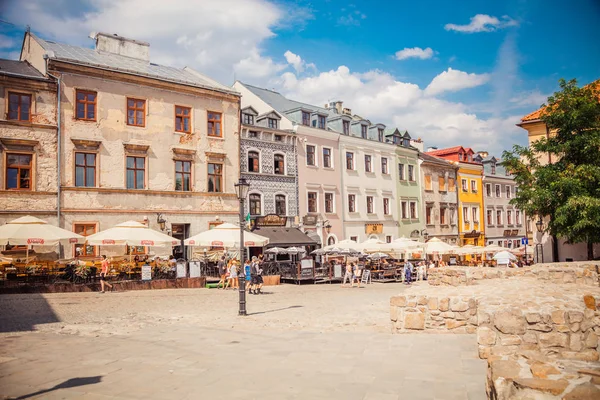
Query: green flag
[248, 217]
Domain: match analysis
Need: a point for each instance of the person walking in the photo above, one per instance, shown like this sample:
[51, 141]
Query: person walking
[348, 274]
[356, 274]
[233, 275]
[408, 272]
[103, 273]
[257, 279]
[222, 266]
[248, 275]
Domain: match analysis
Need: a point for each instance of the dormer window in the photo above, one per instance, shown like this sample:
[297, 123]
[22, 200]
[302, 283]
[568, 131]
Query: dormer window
[470, 157]
[406, 143]
[363, 131]
[346, 127]
[248, 119]
[396, 140]
[305, 118]
[272, 123]
[460, 156]
[493, 169]
[322, 120]
[380, 134]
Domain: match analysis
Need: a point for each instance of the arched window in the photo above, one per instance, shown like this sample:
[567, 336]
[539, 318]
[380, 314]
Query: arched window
[280, 206]
[279, 167]
[330, 241]
[253, 163]
[255, 204]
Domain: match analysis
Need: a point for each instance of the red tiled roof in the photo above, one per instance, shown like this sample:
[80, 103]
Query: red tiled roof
[449, 150]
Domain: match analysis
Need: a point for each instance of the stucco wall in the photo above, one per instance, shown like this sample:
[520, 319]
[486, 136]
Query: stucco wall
[435, 197]
[408, 191]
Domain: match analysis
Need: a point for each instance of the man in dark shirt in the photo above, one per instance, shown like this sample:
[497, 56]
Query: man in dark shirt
[222, 272]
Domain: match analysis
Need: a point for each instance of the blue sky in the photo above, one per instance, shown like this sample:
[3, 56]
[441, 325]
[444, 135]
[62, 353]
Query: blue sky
[451, 72]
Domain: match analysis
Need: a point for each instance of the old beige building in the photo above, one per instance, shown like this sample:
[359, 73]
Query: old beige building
[28, 182]
[138, 140]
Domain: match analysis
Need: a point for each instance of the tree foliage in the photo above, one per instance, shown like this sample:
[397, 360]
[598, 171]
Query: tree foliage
[568, 189]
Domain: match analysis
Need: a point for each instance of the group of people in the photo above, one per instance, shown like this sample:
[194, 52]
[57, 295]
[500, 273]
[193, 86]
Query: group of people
[420, 270]
[229, 274]
[353, 274]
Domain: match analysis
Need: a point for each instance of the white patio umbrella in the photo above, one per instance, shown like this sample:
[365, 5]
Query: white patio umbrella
[377, 256]
[274, 250]
[492, 248]
[504, 257]
[521, 250]
[32, 231]
[344, 244]
[294, 250]
[319, 252]
[226, 235]
[470, 249]
[131, 233]
[435, 245]
[371, 245]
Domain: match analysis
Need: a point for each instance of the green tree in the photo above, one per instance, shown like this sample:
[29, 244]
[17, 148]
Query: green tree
[568, 189]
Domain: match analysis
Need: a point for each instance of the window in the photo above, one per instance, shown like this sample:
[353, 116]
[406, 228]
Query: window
[488, 190]
[490, 217]
[404, 210]
[215, 178]
[136, 112]
[272, 123]
[278, 138]
[451, 185]
[330, 241]
[443, 211]
[351, 203]
[369, 204]
[508, 192]
[452, 216]
[442, 183]
[305, 118]
[279, 167]
[473, 186]
[384, 166]
[310, 154]
[255, 204]
[182, 119]
[475, 212]
[518, 217]
[136, 172]
[509, 217]
[386, 206]
[466, 214]
[354, 238]
[280, 205]
[85, 169]
[349, 160]
[464, 185]
[388, 238]
[329, 203]
[312, 202]
[85, 250]
[498, 217]
[253, 134]
[18, 171]
[326, 157]
[401, 172]
[411, 173]
[460, 156]
[380, 134]
[368, 166]
[85, 108]
[253, 161]
[346, 127]
[497, 190]
[248, 119]
[183, 175]
[429, 214]
[214, 124]
[413, 210]
[322, 121]
[19, 106]
[363, 131]
[428, 183]
[493, 169]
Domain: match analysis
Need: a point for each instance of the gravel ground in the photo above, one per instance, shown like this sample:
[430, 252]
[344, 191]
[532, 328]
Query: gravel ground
[314, 308]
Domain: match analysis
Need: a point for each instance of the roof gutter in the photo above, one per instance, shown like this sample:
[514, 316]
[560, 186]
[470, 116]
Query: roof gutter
[17, 75]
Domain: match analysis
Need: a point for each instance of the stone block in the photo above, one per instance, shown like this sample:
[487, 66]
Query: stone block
[563, 329]
[590, 340]
[472, 304]
[484, 352]
[411, 301]
[559, 317]
[586, 324]
[457, 305]
[589, 313]
[444, 304]
[432, 303]
[554, 387]
[453, 324]
[554, 339]
[504, 350]
[590, 302]
[434, 312]
[415, 321]
[472, 320]
[575, 316]
[533, 318]
[584, 391]
[540, 327]
[530, 337]
[585, 355]
[510, 322]
[462, 316]
[398, 301]
[470, 329]
[506, 369]
[575, 327]
[447, 314]
[510, 340]
[542, 370]
[486, 336]
[422, 300]
[575, 341]
[394, 313]
[483, 317]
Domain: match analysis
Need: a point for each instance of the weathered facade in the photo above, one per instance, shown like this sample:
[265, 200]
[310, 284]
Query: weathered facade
[140, 141]
[28, 143]
[504, 223]
[440, 200]
[268, 163]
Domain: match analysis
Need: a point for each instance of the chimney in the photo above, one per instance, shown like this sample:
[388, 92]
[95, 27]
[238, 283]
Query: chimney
[336, 106]
[432, 148]
[347, 111]
[123, 46]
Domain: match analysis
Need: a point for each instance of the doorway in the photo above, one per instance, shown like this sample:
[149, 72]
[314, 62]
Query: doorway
[180, 232]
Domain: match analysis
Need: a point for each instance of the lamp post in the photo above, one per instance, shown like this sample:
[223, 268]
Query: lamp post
[241, 189]
[539, 225]
[161, 221]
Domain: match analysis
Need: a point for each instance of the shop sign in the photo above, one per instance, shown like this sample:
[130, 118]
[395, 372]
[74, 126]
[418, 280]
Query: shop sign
[192, 242]
[249, 244]
[35, 241]
[146, 272]
[270, 220]
[471, 235]
[108, 241]
[373, 229]
[147, 243]
[216, 243]
[309, 220]
[73, 240]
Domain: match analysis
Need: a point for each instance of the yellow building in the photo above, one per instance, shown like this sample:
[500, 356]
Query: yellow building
[471, 226]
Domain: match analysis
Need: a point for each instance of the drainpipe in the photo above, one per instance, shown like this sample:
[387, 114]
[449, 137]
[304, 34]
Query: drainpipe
[58, 142]
[342, 191]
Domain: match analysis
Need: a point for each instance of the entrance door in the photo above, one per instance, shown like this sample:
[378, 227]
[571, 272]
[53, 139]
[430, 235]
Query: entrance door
[180, 232]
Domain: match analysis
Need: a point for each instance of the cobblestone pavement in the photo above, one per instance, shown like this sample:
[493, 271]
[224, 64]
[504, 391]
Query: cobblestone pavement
[299, 342]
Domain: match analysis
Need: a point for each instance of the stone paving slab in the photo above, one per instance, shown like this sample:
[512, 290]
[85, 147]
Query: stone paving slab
[192, 363]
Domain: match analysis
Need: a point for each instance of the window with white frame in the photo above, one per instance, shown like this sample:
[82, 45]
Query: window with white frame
[351, 203]
[326, 157]
[312, 202]
[401, 172]
[499, 217]
[350, 161]
[508, 192]
[384, 166]
[404, 209]
[490, 217]
[464, 185]
[329, 205]
[388, 238]
[509, 217]
[370, 205]
[310, 154]
[497, 190]
[518, 217]
[386, 206]
[475, 212]
[279, 164]
[473, 186]
[253, 161]
[280, 204]
[354, 238]
[488, 190]
[466, 214]
[255, 204]
[413, 210]
[411, 173]
[368, 163]
[452, 214]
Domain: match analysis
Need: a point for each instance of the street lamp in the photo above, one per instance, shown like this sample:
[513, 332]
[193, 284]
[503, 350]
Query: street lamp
[425, 234]
[161, 221]
[328, 228]
[241, 189]
[540, 225]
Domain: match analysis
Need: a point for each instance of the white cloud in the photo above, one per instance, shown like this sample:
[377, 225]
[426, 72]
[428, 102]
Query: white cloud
[533, 98]
[351, 19]
[6, 42]
[415, 52]
[297, 62]
[483, 23]
[454, 80]
[257, 67]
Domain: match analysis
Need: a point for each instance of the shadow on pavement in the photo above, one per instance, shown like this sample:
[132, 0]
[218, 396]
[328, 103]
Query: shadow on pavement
[21, 312]
[277, 309]
[70, 383]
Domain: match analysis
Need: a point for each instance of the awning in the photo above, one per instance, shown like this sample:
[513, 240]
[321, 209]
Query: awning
[285, 237]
